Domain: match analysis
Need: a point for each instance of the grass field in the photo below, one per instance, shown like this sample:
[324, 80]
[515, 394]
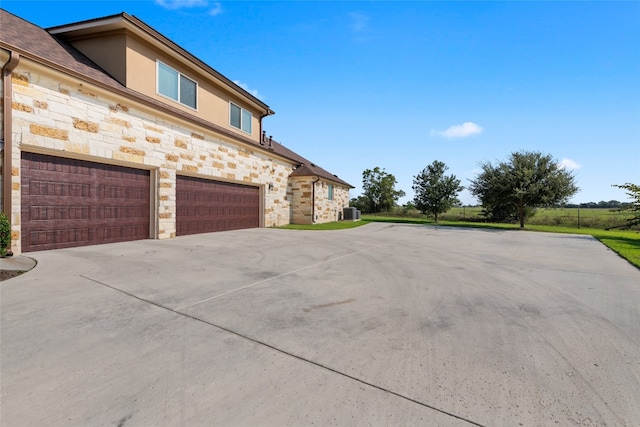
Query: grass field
[565, 217]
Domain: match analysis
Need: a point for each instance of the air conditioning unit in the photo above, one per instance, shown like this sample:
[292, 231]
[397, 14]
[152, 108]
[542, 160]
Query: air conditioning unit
[349, 214]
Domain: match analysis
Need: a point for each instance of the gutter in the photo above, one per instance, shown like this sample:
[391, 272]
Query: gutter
[7, 152]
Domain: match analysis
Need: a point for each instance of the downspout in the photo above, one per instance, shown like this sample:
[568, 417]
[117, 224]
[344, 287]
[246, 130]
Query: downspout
[313, 200]
[261, 131]
[261, 138]
[7, 152]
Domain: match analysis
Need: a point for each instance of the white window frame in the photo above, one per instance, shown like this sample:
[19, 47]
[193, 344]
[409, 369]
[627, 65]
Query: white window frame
[243, 112]
[180, 75]
[330, 192]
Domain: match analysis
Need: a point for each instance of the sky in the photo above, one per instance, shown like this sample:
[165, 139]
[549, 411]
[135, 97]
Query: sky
[400, 84]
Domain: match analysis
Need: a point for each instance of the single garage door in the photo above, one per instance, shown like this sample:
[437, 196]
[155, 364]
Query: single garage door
[203, 206]
[68, 203]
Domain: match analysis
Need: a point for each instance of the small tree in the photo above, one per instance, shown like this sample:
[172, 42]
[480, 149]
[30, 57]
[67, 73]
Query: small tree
[515, 188]
[379, 190]
[5, 234]
[633, 191]
[435, 192]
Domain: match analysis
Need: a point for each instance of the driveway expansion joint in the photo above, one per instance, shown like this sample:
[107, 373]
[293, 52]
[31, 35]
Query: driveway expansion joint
[284, 352]
[242, 288]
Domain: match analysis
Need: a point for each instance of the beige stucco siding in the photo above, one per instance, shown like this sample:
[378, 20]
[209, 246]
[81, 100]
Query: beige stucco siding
[212, 100]
[133, 62]
[106, 50]
[56, 115]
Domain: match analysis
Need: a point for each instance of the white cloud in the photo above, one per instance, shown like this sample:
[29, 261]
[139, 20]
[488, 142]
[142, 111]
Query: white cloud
[359, 26]
[179, 4]
[215, 8]
[246, 87]
[459, 131]
[568, 164]
[359, 22]
[473, 172]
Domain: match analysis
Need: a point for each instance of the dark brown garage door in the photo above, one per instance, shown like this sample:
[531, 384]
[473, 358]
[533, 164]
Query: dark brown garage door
[203, 206]
[67, 203]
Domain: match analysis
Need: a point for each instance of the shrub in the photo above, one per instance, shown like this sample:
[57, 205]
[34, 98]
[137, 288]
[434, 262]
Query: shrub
[5, 234]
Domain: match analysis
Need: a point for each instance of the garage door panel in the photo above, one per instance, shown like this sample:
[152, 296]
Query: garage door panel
[67, 203]
[58, 212]
[205, 206]
[40, 238]
[119, 233]
[52, 188]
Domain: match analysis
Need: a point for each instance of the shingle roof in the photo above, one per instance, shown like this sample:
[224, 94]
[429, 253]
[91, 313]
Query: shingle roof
[37, 44]
[306, 167]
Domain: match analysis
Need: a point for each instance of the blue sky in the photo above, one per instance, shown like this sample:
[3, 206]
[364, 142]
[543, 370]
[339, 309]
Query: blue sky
[398, 85]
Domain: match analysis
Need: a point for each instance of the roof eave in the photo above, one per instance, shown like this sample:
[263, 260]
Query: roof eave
[138, 27]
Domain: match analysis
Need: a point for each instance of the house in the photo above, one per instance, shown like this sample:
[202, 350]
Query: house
[112, 132]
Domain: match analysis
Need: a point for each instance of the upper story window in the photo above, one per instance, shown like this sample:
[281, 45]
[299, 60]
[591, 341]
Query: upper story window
[330, 191]
[240, 118]
[176, 86]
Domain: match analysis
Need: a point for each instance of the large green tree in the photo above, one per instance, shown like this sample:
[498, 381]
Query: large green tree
[435, 192]
[379, 190]
[514, 188]
[633, 191]
[361, 203]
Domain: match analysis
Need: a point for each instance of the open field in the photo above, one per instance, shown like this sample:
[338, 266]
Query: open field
[566, 217]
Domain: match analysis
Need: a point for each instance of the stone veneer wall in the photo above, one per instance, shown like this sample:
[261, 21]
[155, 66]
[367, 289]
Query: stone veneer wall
[54, 114]
[330, 210]
[325, 210]
[300, 195]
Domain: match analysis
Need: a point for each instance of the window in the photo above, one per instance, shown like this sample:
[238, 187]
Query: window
[174, 85]
[240, 118]
[330, 191]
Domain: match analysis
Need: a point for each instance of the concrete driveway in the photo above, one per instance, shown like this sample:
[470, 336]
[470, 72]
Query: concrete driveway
[379, 325]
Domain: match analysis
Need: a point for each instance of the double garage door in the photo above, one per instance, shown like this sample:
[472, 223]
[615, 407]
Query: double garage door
[68, 203]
